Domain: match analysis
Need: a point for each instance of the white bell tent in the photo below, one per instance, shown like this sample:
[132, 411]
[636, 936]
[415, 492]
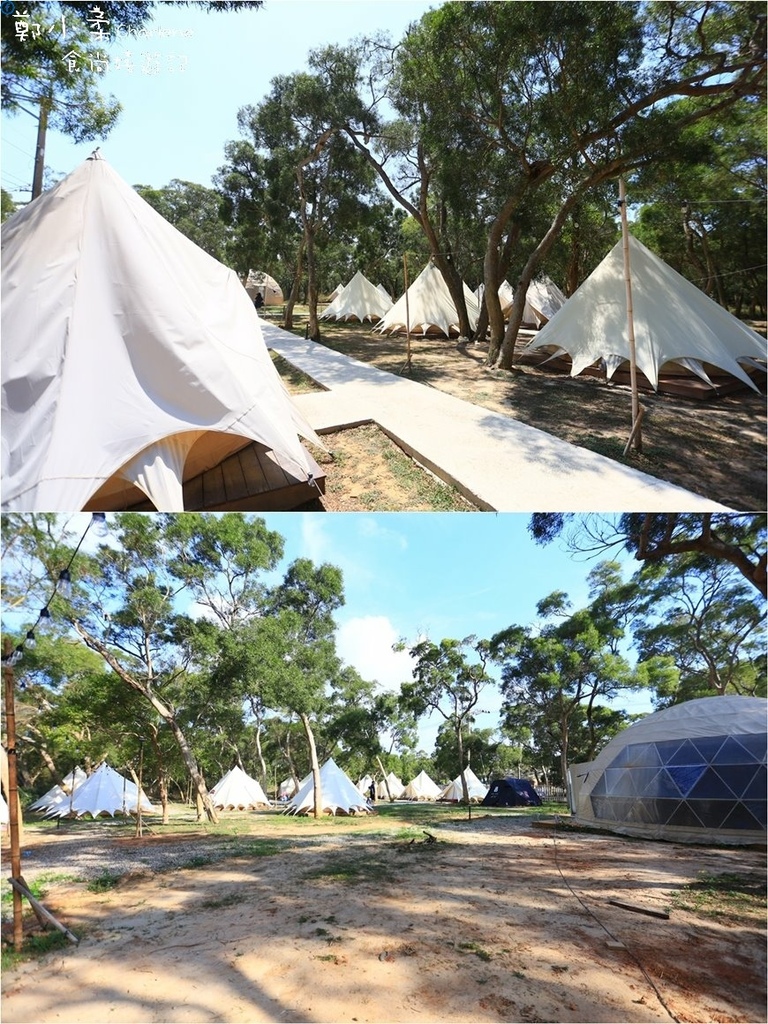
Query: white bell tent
[132, 360]
[339, 795]
[59, 794]
[543, 299]
[364, 785]
[674, 322]
[421, 788]
[359, 300]
[693, 773]
[396, 788]
[105, 791]
[430, 308]
[454, 792]
[237, 791]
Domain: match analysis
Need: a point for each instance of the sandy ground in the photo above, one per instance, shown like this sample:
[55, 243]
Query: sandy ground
[497, 920]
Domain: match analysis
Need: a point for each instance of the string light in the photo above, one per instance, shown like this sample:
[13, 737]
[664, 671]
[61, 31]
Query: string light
[98, 522]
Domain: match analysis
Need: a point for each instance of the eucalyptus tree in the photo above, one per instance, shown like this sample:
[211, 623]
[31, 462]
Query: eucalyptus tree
[704, 212]
[53, 58]
[449, 678]
[702, 614]
[555, 673]
[294, 135]
[134, 601]
[288, 654]
[736, 538]
[573, 93]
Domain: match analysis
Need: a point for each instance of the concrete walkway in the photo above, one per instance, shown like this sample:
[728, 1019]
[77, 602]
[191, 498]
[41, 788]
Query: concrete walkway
[497, 462]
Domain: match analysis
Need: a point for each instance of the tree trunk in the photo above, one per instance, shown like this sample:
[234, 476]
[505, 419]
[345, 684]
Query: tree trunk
[386, 781]
[506, 355]
[165, 712]
[464, 786]
[162, 775]
[293, 298]
[318, 793]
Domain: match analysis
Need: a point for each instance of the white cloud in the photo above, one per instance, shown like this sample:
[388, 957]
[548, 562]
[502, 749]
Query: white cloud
[366, 644]
[372, 528]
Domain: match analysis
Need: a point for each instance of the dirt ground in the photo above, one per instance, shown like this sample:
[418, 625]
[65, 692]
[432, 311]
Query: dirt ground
[714, 447]
[501, 919]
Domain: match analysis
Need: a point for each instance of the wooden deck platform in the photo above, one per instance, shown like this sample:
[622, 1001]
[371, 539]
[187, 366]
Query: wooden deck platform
[247, 480]
[682, 384]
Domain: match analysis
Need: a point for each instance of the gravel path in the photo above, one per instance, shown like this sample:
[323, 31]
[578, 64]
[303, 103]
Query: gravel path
[92, 852]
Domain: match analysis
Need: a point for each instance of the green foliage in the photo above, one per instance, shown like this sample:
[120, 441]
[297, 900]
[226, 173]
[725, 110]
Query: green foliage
[8, 206]
[195, 210]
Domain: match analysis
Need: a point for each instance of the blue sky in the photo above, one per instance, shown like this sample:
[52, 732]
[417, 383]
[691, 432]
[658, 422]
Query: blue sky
[449, 575]
[190, 76]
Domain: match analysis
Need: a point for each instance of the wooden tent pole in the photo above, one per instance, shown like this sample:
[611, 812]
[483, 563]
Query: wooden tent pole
[635, 435]
[13, 792]
[407, 314]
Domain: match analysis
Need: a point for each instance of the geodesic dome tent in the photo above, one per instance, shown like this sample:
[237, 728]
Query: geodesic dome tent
[259, 282]
[693, 773]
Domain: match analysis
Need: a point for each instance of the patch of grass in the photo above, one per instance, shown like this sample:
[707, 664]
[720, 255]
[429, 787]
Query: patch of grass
[439, 496]
[258, 848]
[474, 947]
[222, 901]
[362, 868]
[103, 883]
[198, 861]
[35, 946]
[724, 896]
[298, 383]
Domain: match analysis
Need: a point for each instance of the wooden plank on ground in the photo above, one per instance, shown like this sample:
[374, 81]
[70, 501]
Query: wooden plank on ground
[638, 909]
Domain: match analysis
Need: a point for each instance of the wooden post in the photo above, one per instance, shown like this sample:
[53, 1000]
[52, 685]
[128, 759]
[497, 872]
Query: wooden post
[635, 434]
[407, 314]
[138, 799]
[13, 792]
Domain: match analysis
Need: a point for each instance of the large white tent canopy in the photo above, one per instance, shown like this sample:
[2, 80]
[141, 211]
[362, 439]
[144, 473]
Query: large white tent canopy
[674, 322]
[359, 299]
[421, 788]
[454, 791]
[396, 788]
[105, 791]
[339, 795]
[236, 790]
[132, 360]
[429, 307]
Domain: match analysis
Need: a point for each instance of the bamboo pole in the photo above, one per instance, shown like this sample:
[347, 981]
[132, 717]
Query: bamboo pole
[13, 793]
[635, 435]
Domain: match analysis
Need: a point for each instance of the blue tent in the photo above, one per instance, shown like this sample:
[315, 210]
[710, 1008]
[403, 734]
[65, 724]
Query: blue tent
[511, 792]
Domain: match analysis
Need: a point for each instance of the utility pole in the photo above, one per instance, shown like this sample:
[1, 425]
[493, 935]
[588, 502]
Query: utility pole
[42, 127]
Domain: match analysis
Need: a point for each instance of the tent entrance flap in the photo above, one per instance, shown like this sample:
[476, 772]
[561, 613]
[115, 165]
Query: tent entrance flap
[158, 470]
